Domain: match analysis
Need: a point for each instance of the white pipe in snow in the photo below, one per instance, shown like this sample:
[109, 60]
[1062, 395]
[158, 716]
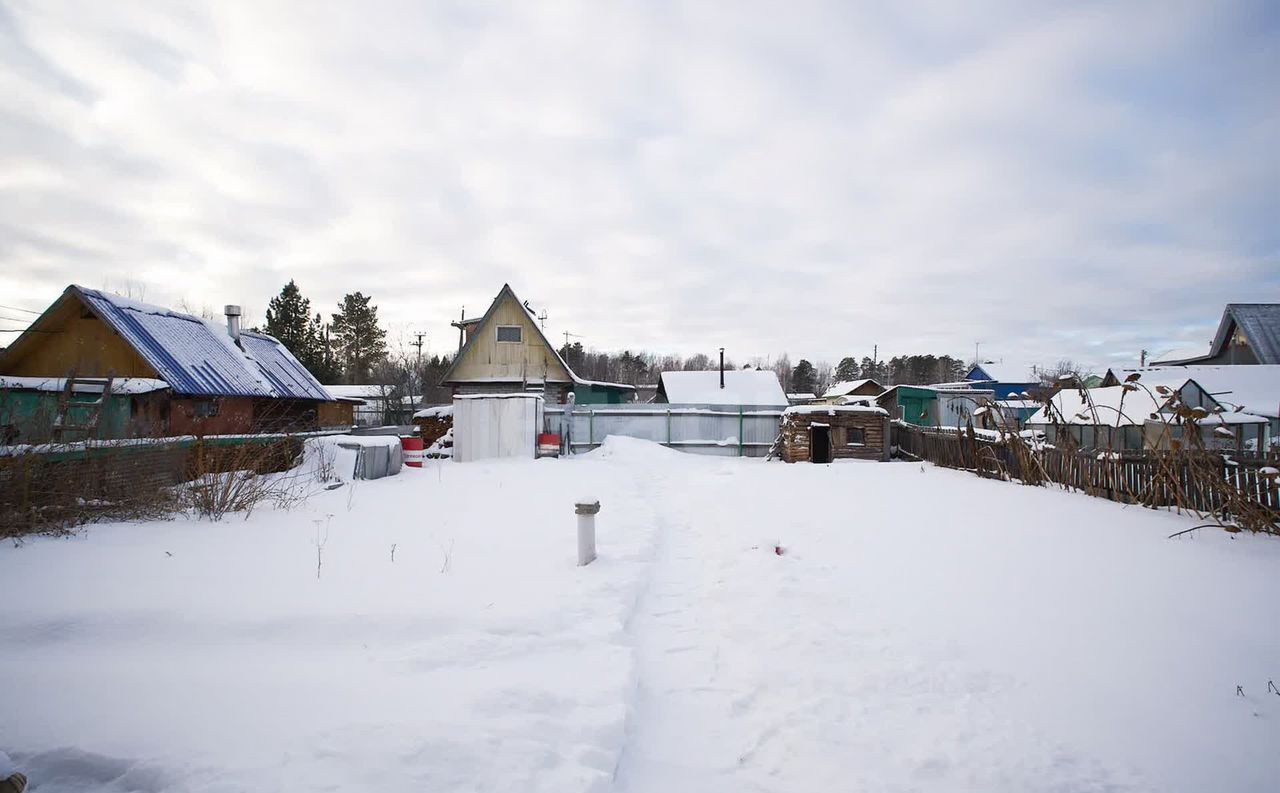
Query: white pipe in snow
[586, 511]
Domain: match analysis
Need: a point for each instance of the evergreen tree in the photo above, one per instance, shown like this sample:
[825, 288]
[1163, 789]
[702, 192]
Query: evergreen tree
[804, 380]
[322, 362]
[848, 369]
[358, 342]
[288, 316]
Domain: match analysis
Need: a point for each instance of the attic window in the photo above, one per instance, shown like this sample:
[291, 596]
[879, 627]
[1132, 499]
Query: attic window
[510, 333]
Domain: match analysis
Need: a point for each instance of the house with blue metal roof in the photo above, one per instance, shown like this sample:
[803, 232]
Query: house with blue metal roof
[1008, 381]
[219, 379]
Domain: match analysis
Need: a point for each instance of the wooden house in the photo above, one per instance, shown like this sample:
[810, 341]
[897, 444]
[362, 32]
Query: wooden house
[1009, 382]
[934, 406]
[214, 379]
[842, 391]
[1248, 334]
[505, 351]
[825, 433]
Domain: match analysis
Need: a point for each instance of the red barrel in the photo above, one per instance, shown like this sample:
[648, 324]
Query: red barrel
[412, 451]
[548, 444]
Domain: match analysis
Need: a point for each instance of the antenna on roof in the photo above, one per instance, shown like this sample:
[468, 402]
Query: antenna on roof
[543, 319]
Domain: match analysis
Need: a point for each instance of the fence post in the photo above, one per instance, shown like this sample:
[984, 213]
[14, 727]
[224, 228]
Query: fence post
[741, 446]
[591, 429]
[668, 428]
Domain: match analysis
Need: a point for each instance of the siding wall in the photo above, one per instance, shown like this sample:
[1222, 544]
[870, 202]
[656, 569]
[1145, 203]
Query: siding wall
[487, 359]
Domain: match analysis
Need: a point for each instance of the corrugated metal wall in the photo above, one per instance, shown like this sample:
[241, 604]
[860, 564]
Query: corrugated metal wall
[703, 429]
[497, 426]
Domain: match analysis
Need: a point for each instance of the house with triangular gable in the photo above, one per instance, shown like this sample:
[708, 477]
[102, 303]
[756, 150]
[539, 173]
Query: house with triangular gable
[505, 351]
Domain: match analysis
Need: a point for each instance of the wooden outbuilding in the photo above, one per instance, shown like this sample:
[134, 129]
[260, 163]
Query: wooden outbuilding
[825, 433]
[208, 379]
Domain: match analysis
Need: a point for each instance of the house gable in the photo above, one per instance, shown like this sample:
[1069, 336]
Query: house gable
[67, 337]
[486, 359]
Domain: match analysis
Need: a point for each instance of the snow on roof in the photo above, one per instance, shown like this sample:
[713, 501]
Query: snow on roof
[366, 391]
[121, 385]
[198, 357]
[846, 388]
[1112, 406]
[1255, 388]
[803, 395]
[1019, 404]
[434, 412]
[1003, 372]
[497, 396]
[832, 410]
[285, 373]
[741, 387]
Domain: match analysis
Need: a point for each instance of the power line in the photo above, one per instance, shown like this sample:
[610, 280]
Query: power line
[23, 310]
[15, 319]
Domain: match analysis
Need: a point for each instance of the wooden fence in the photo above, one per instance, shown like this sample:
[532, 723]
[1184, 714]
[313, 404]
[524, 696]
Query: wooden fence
[1206, 482]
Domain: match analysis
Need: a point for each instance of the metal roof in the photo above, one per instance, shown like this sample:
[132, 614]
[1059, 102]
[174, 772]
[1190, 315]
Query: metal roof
[198, 357]
[1260, 324]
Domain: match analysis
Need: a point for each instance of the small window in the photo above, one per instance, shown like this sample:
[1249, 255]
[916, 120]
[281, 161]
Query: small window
[510, 333]
[206, 409]
[854, 436]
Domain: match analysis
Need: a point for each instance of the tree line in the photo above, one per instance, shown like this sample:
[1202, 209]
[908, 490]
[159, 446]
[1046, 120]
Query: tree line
[351, 348]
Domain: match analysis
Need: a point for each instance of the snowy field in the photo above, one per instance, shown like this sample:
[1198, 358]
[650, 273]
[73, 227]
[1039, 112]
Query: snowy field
[922, 630]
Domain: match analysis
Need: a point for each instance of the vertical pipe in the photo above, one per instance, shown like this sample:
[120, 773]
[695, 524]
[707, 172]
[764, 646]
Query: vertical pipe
[722, 368]
[668, 427]
[586, 511]
[591, 429]
[741, 446]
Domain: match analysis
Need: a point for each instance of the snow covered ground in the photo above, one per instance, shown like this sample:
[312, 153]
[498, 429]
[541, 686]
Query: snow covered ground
[922, 629]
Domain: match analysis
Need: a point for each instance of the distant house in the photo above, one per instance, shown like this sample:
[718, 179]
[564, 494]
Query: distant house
[852, 388]
[727, 388]
[212, 378]
[1249, 389]
[1006, 380]
[1248, 334]
[934, 406]
[804, 398]
[505, 351]
[1116, 418]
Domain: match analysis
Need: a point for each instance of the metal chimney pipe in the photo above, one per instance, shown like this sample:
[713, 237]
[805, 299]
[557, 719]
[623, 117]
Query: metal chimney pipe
[722, 368]
[233, 321]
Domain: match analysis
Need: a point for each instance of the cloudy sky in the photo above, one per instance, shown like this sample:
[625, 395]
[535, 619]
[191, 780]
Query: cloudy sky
[1061, 181]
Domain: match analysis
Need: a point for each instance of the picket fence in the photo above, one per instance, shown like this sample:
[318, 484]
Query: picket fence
[1147, 477]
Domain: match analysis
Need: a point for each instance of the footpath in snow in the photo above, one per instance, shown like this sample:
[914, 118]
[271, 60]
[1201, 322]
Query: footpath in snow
[921, 629]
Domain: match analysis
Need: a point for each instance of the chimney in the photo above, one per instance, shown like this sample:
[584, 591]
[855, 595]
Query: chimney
[233, 322]
[722, 368]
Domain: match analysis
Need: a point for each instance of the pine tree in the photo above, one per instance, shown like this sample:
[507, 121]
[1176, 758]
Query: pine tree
[804, 380]
[358, 342]
[848, 369]
[322, 363]
[288, 316]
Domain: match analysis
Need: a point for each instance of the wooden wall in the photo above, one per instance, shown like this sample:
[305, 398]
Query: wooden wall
[486, 358]
[796, 438]
[72, 338]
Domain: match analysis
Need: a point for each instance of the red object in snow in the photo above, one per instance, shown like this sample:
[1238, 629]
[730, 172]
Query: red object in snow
[779, 550]
[413, 450]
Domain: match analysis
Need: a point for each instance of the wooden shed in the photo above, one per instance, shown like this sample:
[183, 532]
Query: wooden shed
[825, 433]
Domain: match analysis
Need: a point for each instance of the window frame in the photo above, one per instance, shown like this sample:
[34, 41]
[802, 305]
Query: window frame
[851, 432]
[519, 331]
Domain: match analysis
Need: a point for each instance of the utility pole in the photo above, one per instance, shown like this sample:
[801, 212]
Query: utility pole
[1142, 358]
[418, 344]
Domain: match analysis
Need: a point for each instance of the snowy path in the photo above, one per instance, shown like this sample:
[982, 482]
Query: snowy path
[924, 630]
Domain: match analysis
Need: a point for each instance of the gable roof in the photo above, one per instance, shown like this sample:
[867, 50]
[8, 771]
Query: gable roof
[1001, 373]
[1254, 389]
[1260, 324]
[474, 334]
[848, 387]
[741, 387]
[197, 357]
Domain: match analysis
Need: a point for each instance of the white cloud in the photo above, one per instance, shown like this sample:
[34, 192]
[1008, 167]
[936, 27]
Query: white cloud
[814, 178]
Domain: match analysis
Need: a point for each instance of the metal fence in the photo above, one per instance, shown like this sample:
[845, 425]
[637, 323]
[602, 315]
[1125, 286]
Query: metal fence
[741, 431]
